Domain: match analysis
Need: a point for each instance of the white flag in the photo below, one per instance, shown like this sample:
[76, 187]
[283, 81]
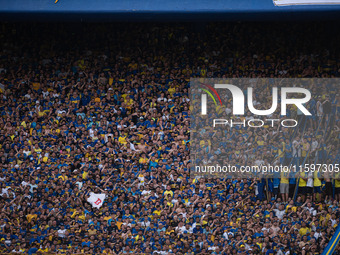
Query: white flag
[96, 200]
[132, 147]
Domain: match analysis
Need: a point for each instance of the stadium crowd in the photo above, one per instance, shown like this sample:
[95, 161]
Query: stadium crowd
[105, 109]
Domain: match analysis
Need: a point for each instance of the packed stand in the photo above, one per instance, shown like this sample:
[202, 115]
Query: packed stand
[104, 109]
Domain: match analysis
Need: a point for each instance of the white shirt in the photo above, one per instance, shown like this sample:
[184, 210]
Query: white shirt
[184, 215]
[59, 112]
[61, 233]
[310, 181]
[23, 183]
[279, 213]
[226, 235]
[259, 162]
[162, 99]
[4, 191]
[333, 222]
[311, 210]
[265, 229]
[132, 147]
[145, 223]
[45, 94]
[296, 149]
[317, 235]
[27, 153]
[212, 248]
[91, 132]
[314, 145]
[80, 185]
[32, 187]
[174, 201]
[181, 229]
[146, 192]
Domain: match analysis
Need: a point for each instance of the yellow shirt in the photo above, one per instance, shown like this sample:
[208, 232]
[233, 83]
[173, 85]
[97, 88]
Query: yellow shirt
[302, 182]
[203, 143]
[304, 231]
[74, 214]
[30, 217]
[122, 139]
[304, 150]
[260, 143]
[41, 114]
[220, 109]
[38, 150]
[137, 237]
[337, 183]
[133, 66]
[43, 250]
[64, 178]
[142, 160]
[92, 232]
[168, 192]
[292, 207]
[284, 178]
[119, 224]
[84, 175]
[171, 90]
[36, 85]
[158, 212]
[317, 182]
[128, 101]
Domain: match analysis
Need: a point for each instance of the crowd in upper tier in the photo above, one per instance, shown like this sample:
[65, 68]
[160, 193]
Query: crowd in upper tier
[105, 109]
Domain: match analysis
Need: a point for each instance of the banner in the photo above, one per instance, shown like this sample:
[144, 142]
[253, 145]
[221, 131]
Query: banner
[333, 243]
[96, 200]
